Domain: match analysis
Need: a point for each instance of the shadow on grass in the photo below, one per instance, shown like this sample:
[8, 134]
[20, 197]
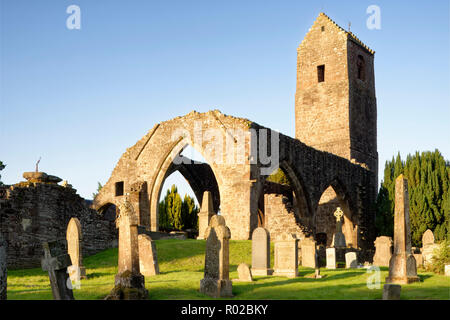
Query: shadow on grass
[97, 275]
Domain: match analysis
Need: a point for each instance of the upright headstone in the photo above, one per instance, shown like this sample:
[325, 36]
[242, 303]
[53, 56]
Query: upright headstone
[351, 261]
[338, 237]
[331, 258]
[391, 291]
[216, 282]
[286, 256]
[402, 266]
[308, 249]
[74, 244]
[129, 282]
[244, 272]
[261, 252]
[205, 214]
[383, 251]
[3, 269]
[55, 262]
[428, 247]
[148, 258]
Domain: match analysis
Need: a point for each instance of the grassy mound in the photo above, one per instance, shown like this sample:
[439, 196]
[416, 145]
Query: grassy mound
[181, 264]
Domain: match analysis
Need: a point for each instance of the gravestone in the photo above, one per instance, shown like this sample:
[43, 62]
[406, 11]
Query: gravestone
[129, 282]
[391, 291]
[3, 269]
[338, 237]
[286, 256]
[402, 266]
[261, 252]
[383, 251]
[428, 247]
[74, 245]
[216, 282]
[205, 214]
[148, 258]
[331, 258]
[55, 262]
[244, 272]
[351, 262]
[308, 249]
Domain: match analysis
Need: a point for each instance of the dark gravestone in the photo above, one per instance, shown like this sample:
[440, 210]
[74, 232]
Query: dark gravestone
[55, 262]
[3, 270]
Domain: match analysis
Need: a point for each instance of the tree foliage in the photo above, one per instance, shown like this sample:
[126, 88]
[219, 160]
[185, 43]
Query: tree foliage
[279, 176]
[99, 187]
[177, 214]
[428, 177]
[2, 166]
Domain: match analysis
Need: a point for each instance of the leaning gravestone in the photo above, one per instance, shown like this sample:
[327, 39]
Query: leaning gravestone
[308, 249]
[428, 247]
[205, 214]
[402, 266]
[129, 282]
[3, 269]
[216, 282]
[148, 259]
[74, 242]
[261, 252]
[383, 251]
[55, 261]
[351, 262]
[331, 258]
[244, 272]
[286, 256]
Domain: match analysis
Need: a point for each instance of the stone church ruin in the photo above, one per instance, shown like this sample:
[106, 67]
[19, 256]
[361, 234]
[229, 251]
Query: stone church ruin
[332, 161]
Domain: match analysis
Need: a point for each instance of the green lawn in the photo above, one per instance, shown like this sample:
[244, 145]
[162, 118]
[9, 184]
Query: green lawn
[181, 265]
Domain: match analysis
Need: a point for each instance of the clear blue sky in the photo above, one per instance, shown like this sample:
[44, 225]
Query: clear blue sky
[79, 98]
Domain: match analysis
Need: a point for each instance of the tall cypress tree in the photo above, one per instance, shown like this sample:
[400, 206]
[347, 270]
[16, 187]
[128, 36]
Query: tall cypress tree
[428, 177]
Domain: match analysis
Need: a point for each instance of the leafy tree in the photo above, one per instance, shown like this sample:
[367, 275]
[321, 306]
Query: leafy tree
[2, 166]
[279, 176]
[428, 177]
[99, 187]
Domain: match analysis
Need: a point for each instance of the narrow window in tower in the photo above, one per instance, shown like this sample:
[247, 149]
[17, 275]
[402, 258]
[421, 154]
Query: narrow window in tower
[321, 73]
[322, 28]
[361, 68]
[119, 188]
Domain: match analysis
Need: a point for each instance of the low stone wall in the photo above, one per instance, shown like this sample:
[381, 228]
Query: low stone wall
[35, 212]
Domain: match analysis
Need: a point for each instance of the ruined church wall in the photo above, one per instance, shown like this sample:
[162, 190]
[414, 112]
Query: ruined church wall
[34, 213]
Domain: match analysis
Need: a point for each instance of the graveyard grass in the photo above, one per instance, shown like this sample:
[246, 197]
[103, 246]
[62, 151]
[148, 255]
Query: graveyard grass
[181, 265]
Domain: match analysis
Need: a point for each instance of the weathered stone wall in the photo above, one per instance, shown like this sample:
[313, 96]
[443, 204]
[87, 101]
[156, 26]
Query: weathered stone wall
[280, 216]
[32, 213]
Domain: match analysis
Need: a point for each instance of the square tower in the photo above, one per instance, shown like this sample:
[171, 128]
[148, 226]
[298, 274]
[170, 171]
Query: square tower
[335, 104]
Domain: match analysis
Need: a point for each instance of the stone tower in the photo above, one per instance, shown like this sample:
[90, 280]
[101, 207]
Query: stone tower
[335, 104]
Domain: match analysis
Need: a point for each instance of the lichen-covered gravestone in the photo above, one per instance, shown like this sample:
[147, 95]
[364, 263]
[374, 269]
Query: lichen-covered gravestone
[331, 258]
[391, 291]
[129, 282]
[3, 270]
[261, 252]
[286, 256]
[428, 247]
[148, 258]
[74, 244]
[308, 249]
[216, 282]
[402, 266]
[55, 261]
[205, 214]
[351, 262]
[383, 251]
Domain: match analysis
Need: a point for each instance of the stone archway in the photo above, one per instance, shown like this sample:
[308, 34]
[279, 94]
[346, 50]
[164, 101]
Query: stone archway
[333, 196]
